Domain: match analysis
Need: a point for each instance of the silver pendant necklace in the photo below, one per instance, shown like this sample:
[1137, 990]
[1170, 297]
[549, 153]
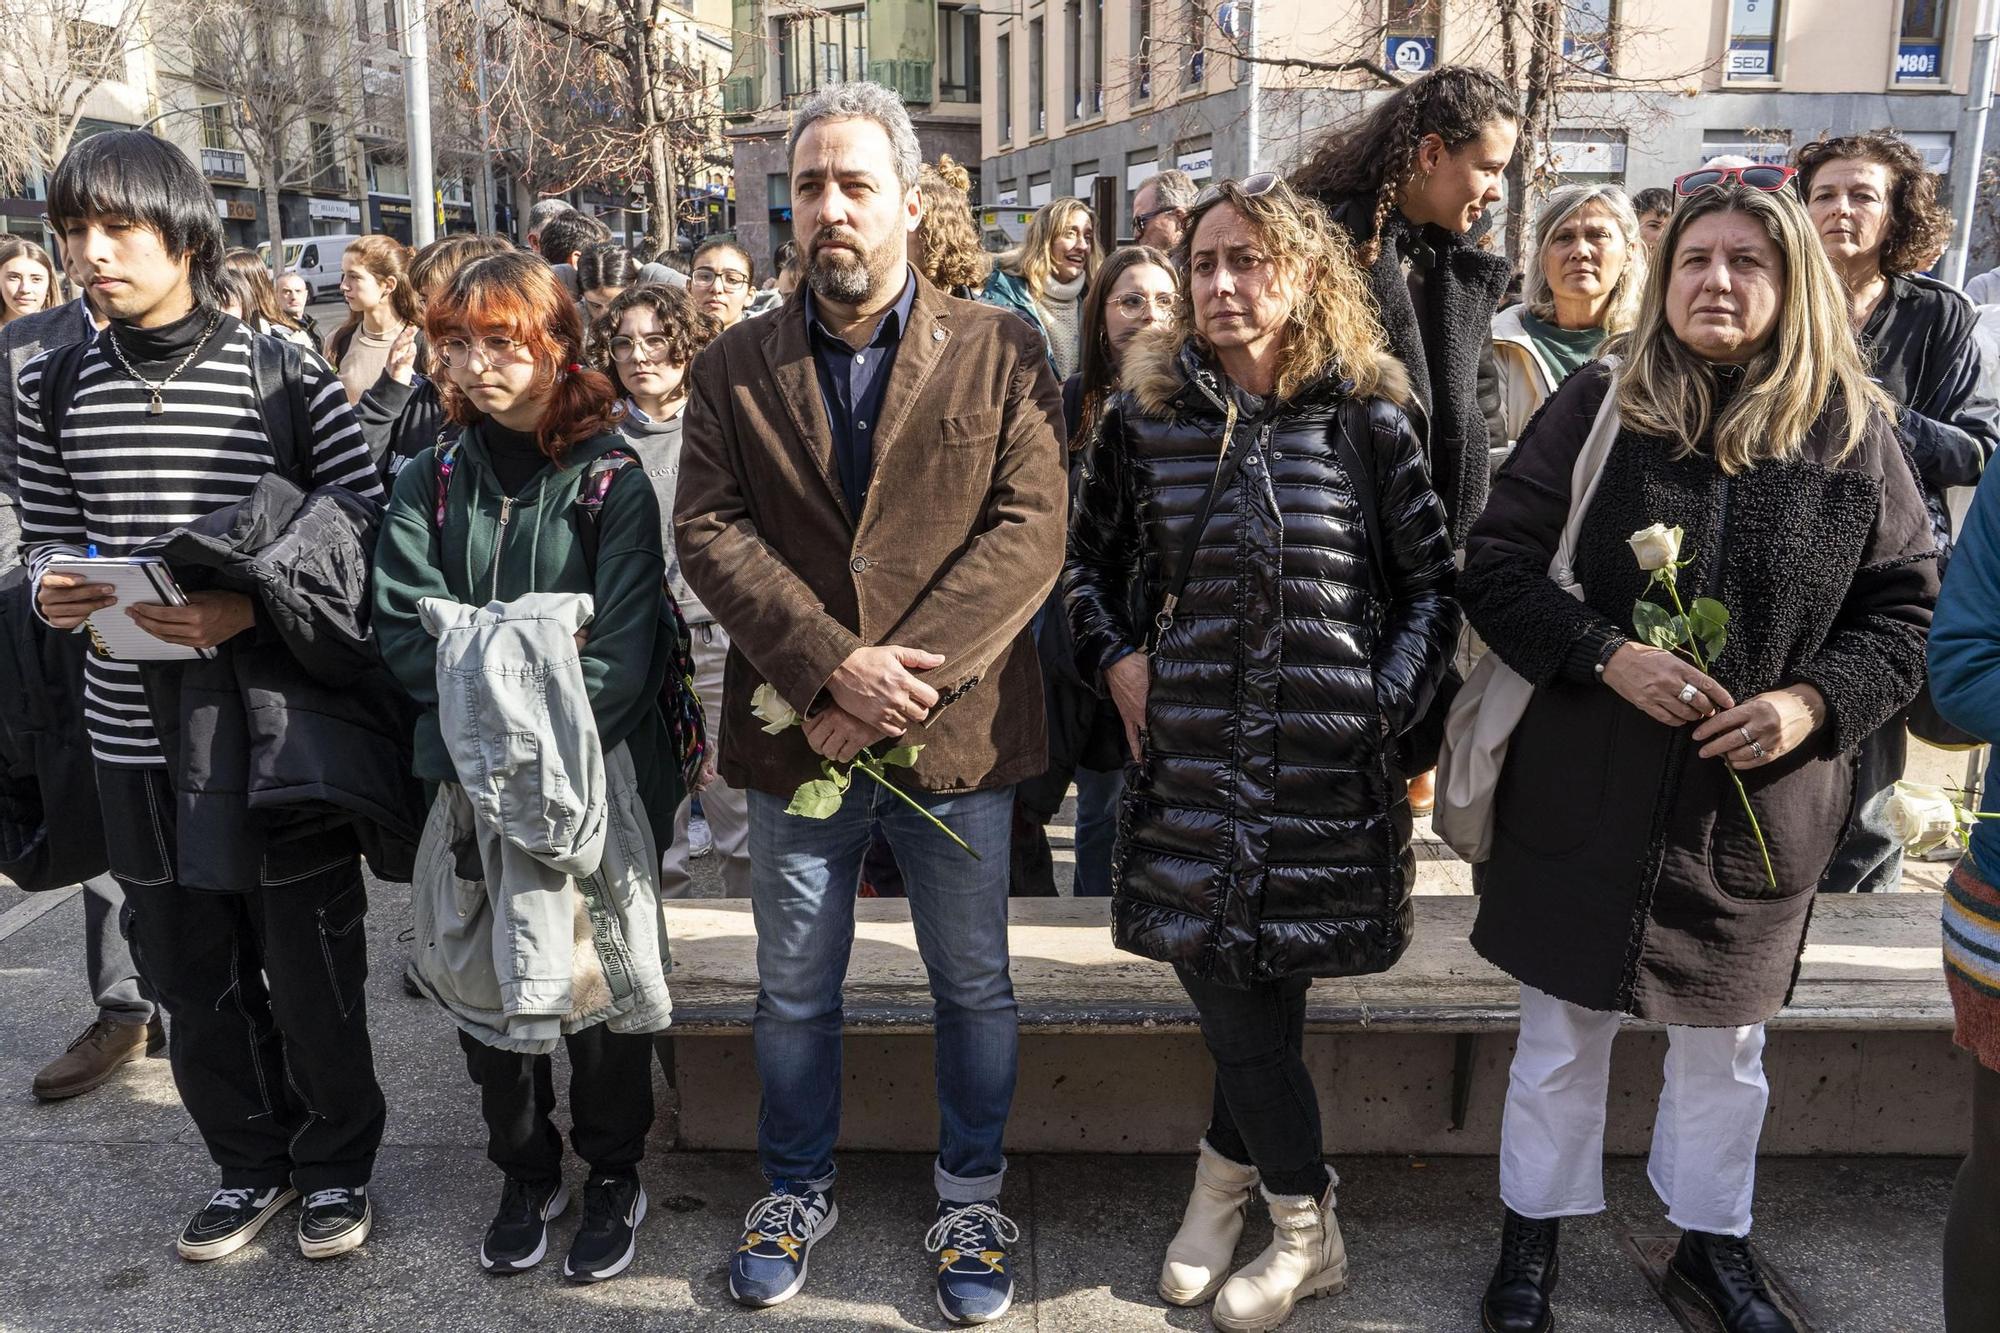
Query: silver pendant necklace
[156, 404]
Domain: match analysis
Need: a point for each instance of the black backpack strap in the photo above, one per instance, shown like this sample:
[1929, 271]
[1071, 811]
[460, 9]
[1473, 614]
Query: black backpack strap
[60, 367]
[277, 365]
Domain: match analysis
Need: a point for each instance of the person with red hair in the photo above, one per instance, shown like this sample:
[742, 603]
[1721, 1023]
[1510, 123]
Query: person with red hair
[538, 495]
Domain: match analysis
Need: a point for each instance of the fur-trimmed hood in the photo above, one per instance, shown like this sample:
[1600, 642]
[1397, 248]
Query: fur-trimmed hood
[1161, 365]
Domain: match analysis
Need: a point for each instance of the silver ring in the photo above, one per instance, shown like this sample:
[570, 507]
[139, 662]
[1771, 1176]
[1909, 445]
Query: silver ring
[1748, 739]
[1689, 693]
[1758, 750]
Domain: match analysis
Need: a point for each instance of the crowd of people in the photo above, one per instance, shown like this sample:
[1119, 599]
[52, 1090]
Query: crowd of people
[552, 568]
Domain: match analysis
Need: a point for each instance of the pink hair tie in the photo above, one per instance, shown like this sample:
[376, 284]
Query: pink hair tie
[575, 368]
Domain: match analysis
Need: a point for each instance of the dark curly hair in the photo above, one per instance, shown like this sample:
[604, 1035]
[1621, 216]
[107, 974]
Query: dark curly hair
[1377, 154]
[1919, 226]
[688, 330]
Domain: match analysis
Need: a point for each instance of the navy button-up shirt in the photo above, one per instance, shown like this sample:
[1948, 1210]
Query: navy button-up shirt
[851, 382]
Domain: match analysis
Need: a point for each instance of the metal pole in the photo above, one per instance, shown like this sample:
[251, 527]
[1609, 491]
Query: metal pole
[417, 111]
[1253, 122]
[1968, 150]
[492, 222]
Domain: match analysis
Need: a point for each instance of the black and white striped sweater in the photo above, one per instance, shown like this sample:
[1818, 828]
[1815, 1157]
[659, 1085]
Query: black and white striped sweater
[120, 477]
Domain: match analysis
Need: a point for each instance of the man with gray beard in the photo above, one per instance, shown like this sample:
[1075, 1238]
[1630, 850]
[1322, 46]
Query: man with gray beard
[871, 504]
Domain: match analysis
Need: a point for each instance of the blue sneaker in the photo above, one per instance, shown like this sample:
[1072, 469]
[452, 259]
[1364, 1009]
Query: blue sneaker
[779, 1232]
[970, 1241]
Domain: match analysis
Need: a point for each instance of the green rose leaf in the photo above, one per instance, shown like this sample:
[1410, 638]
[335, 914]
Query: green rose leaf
[839, 777]
[1713, 642]
[1710, 610]
[1655, 625]
[903, 756]
[815, 800]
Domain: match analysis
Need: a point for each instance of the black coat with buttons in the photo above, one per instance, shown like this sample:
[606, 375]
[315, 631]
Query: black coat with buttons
[1267, 833]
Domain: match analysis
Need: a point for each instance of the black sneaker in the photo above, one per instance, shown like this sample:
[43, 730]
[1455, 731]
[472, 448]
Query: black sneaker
[334, 1221]
[518, 1235]
[613, 1208]
[230, 1220]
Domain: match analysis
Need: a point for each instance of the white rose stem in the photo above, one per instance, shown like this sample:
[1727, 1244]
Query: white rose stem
[1694, 651]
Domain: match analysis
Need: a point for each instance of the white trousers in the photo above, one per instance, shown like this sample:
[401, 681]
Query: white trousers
[726, 808]
[1704, 1158]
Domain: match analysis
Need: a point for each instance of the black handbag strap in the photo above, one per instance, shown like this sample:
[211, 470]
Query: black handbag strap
[1353, 421]
[1227, 462]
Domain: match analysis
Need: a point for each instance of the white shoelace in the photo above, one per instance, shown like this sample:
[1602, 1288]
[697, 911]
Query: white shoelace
[327, 1198]
[961, 1228]
[783, 1212]
[230, 1198]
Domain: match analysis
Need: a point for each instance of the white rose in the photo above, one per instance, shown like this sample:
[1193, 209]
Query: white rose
[1657, 546]
[1922, 818]
[777, 714]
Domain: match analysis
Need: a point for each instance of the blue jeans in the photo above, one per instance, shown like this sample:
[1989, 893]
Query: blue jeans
[804, 874]
[1097, 797]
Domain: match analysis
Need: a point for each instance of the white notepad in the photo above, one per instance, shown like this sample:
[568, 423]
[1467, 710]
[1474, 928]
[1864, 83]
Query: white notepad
[135, 579]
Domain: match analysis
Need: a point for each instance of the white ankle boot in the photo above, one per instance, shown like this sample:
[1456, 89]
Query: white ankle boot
[1306, 1257]
[1199, 1254]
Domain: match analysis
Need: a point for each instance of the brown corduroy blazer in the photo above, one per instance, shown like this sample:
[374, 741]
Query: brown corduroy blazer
[957, 544]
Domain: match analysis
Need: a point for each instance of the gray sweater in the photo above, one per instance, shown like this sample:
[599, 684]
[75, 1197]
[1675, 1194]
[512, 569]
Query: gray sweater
[658, 444]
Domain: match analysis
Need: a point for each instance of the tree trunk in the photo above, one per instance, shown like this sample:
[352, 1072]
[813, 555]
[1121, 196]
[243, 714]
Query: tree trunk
[1545, 28]
[274, 226]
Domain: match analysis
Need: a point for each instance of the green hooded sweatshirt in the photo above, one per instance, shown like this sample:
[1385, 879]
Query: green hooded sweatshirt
[494, 549]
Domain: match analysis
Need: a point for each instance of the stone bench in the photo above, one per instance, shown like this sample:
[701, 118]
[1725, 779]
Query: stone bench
[1413, 1060]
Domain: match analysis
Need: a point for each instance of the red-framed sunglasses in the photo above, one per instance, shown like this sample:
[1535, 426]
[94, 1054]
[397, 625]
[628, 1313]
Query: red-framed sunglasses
[1766, 178]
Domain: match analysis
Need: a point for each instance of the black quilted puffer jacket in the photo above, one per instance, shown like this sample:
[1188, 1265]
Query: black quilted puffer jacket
[1265, 832]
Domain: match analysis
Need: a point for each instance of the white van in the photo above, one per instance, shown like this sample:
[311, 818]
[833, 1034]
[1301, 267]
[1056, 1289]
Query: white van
[316, 259]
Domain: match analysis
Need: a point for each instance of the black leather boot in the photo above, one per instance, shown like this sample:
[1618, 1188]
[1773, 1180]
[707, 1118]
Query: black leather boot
[1720, 1273]
[1517, 1299]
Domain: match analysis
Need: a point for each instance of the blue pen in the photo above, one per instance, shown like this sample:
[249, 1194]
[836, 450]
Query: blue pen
[91, 550]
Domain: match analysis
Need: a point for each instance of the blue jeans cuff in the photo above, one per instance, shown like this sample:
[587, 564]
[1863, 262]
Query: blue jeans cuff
[822, 1184]
[975, 1189]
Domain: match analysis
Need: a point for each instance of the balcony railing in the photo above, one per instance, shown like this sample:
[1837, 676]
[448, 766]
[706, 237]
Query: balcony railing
[224, 164]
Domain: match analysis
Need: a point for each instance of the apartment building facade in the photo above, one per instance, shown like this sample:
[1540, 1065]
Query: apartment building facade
[1090, 97]
[929, 52]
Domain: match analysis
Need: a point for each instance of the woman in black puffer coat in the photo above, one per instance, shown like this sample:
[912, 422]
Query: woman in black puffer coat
[1265, 834]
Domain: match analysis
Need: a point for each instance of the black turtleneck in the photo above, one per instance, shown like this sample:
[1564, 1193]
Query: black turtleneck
[161, 349]
[515, 455]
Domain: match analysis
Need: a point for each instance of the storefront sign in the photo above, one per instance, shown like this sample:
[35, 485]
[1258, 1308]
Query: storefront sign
[337, 209]
[1198, 163]
[1919, 62]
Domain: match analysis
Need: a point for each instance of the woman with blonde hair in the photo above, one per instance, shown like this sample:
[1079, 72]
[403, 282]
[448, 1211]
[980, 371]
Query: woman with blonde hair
[945, 246]
[1044, 277]
[1673, 877]
[1584, 283]
[1257, 497]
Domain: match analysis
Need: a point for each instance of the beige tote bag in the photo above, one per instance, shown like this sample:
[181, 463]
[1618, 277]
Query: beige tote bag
[1495, 698]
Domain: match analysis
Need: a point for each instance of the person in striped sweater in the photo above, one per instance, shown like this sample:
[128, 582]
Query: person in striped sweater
[267, 1030]
[1965, 683]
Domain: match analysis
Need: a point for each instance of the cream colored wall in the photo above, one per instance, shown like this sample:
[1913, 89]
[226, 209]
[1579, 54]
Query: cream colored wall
[1826, 46]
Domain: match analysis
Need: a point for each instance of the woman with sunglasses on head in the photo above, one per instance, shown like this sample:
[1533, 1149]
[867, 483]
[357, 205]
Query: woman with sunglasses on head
[1584, 279]
[1740, 414]
[534, 498]
[1874, 204]
[1136, 291]
[1258, 568]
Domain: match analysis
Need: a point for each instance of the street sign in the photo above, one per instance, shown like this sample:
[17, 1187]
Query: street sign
[1412, 55]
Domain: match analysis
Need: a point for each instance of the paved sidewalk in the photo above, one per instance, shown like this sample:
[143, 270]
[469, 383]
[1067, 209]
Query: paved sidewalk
[95, 1189]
